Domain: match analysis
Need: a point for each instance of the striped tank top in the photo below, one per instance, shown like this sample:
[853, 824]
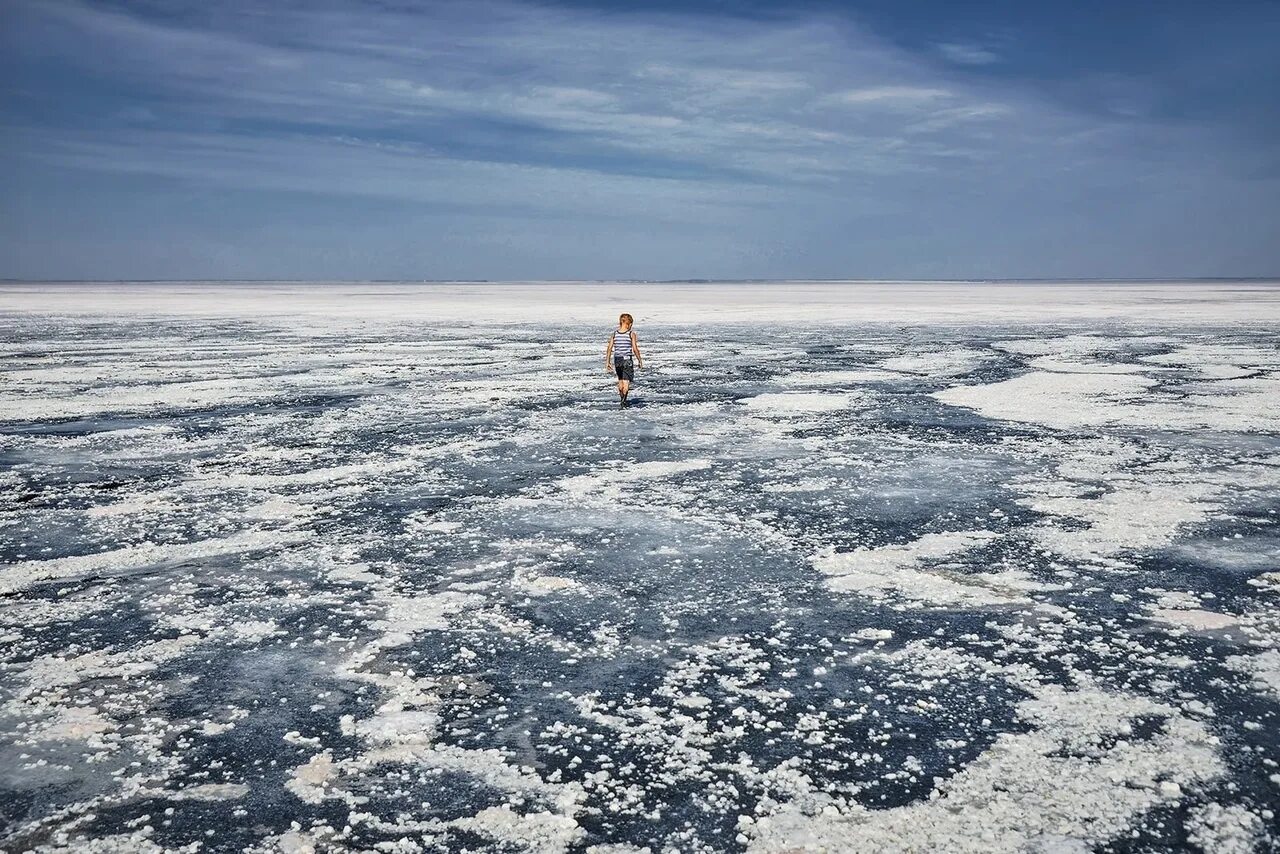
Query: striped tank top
[621, 344]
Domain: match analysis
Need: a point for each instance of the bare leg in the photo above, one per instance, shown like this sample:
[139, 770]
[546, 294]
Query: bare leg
[623, 388]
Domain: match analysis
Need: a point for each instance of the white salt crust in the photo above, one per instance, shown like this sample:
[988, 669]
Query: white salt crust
[544, 585]
[1263, 669]
[1268, 581]
[408, 615]
[1097, 396]
[1225, 829]
[24, 574]
[878, 573]
[1057, 785]
[1131, 516]
[402, 729]
[792, 403]
[612, 481]
[1122, 499]
[324, 305]
[1194, 618]
[838, 379]
[1077, 345]
[941, 363]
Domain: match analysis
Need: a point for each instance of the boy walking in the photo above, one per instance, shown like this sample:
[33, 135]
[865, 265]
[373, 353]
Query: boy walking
[622, 356]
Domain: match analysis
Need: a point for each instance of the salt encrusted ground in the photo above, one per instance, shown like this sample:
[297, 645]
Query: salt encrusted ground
[868, 569]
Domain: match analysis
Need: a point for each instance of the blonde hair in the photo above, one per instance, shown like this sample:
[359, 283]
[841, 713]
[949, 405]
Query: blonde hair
[627, 319]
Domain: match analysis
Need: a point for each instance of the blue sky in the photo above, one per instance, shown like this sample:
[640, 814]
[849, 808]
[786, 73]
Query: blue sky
[354, 139]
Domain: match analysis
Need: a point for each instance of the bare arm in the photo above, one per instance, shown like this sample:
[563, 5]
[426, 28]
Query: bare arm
[635, 348]
[608, 356]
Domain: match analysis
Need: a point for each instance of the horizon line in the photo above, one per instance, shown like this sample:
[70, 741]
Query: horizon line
[689, 281]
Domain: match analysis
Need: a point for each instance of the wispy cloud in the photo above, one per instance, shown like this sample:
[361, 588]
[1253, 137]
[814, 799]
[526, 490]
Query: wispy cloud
[909, 95]
[735, 97]
[712, 130]
[967, 54]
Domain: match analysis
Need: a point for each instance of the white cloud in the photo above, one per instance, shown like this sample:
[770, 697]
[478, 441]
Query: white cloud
[679, 94]
[967, 54]
[788, 141]
[718, 117]
[700, 106]
[952, 117]
[574, 95]
[910, 95]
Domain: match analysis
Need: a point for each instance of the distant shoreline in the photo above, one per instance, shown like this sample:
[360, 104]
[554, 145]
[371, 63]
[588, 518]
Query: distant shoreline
[1002, 281]
[840, 302]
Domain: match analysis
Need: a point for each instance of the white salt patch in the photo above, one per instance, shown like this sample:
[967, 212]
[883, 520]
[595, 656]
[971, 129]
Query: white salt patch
[839, 379]
[1223, 372]
[279, 508]
[606, 479]
[1056, 364]
[1054, 399]
[309, 477]
[1267, 581]
[334, 307]
[1067, 780]
[295, 842]
[1263, 668]
[1076, 401]
[310, 781]
[73, 724]
[136, 842]
[1132, 516]
[543, 585]
[55, 670]
[199, 394]
[351, 573]
[791, 403]
[1218, 829]
[1217, 360]
[406, 727]
[660, 468]
[1173, 598]
[1016, 580]
[210, 792]
[216, 728]
[1074, 345]
[41, 612]
[295, 737]
[892, 570]
[131, 507]
[942, 363]
[254, 630]
[532, 831]
[405, 616]
[804, 484]
[402, 728]
[1194, 618]
[23, 574]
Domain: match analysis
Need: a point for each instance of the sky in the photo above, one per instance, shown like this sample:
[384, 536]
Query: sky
[506, 139]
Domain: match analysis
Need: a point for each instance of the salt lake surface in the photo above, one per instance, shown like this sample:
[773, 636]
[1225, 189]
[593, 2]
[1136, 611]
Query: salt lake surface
[890, 567]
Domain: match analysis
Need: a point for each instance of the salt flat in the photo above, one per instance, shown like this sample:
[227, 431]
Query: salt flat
[870, 567]
[663, 302]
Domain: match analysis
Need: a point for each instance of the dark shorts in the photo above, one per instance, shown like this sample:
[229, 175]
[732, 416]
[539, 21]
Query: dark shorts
[625, 369]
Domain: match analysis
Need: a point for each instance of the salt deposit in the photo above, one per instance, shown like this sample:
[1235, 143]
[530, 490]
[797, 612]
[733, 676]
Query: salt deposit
[326, 568]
